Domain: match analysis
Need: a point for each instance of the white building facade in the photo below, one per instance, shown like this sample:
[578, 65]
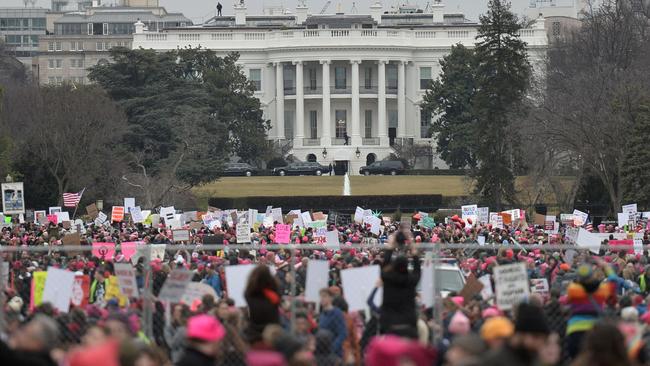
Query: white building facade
[340, 89]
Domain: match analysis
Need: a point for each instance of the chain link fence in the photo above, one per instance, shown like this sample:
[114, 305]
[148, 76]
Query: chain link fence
[161, 323]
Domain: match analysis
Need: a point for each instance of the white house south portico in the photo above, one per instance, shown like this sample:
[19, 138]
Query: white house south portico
[340, 89]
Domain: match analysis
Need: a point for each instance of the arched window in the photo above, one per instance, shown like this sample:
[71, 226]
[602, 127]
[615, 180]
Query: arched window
[311, 158]
[371, 158]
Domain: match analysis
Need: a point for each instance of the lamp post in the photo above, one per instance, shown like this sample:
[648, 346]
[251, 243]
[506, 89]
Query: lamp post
[324, 153]
[9, 178]
[358, 153]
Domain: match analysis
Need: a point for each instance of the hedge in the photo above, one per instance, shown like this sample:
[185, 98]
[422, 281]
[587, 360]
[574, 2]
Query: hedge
[436, 172]
[344, 204]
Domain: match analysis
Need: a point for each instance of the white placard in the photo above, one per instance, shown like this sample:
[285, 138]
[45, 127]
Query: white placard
[4, 273]
[579, 218]
[252, 217]
[136, 214]
[13, 198]
[427, 281]
[470, 212]
[317, 278]
[54, 210]
[126, 279]
[623, 219]
[375, 224]
[276, 212]
[631, 209]
[483, 215]
[236, 280]
[175, 285]
[306, 218]
[358, 284]
[167, 213]
[100, 219]
[638, 243]
[243, 233]
[358, 215]
[511, 285]
[62, 216]
[481, 240]
[332, 239]
[195, 291]
[181, 235]
[486, 292]
[129, 202]
[58, 288]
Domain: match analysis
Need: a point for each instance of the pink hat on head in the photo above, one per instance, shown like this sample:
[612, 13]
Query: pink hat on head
[459, 324]
[205, 328]
[490, 312]
[458, 300]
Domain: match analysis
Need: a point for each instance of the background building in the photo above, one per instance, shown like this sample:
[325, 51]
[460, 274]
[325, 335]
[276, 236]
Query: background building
[83, 39]
[21, 29]
[322, 78]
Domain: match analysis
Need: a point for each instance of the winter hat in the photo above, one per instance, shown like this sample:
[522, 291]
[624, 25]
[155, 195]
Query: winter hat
[531, 319]
[630, 314]
[496, 328]
[459, 324]
[205, 328]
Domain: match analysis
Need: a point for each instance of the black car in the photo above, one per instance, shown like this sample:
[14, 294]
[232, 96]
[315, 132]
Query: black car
[392, 167]
[302, 168]
[239, 169]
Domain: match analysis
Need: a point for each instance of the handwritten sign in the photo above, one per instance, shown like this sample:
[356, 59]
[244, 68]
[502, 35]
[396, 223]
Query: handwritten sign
[174, 287]
[511, 285]
[282, 234]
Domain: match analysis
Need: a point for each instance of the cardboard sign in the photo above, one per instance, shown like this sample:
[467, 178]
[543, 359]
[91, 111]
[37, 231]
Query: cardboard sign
[539, 220]
[125, 274]
[80, 291]
[511, 285]
[181, 235]
[236, 281]
[104, 251]
[243, 233]
[317, 279]
[175, 284]
[358, 283]
[472, 288]
[319, 216]
[58, 288]
[282, 234]
[117, 214]
[71, 239]
[92, 211]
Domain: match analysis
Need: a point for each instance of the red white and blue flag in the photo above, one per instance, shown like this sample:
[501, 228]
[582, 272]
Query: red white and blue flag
[72, 199]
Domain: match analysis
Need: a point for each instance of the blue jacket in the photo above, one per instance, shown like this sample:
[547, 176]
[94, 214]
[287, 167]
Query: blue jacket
[334, 321]
[215, 282]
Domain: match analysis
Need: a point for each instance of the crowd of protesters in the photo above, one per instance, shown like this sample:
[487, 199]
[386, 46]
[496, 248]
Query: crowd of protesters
[595, 312]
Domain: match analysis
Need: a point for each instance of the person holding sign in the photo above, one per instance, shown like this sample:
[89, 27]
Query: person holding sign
[398, 310]
[263, 299]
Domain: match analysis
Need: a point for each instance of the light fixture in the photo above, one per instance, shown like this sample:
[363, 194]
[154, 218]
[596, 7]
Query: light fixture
[358, 153]
[9, 179]
[99, 204]
[324, 153]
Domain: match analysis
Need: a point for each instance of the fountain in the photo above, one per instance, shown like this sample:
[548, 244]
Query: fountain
[346, 185]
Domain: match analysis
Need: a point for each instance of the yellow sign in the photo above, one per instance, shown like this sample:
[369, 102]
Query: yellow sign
[113, 291]
[38, 287]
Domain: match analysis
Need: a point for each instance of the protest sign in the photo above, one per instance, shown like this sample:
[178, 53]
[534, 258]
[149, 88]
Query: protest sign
[588, 240]
[375, 223]
[243, 233]
[181, 235]
[40, 217]
[282, 234]
[638, 243]
[481, 240]
[540, 286]
[539, 220]
[566, 219]
[427, 281]
[427, 222]
[104, 251]
[496, 220]
[71, 239]
[125, 274]
[117, 214]
[167, 213]
[13, 198]
[129, 203]
[236, 280]
[277, 215]
[80, 291]
[319, 216]
[472, 287]
[92, 211]
[630, 209]
[306, 218]
[317, 277]
[332, 239]
[175, 285]
[483, 215]
[358, 283]
[113, 291]
[549, 223]
[54, 210]
[319, 229]
[100, 219]
[486, 292]
[252, 217]
[511, 285]
[469, 212]
[58, 288]
[623, 219]
[195, 291]
[358, 215]
[38, 286]
[625, 244]
[136, 215]
[579, 218]
[62, 216]
[129, 248]
[4, 274]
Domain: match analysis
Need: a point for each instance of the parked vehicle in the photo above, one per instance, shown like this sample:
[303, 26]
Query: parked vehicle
[239, 169]
[301, 168]
[392, 167]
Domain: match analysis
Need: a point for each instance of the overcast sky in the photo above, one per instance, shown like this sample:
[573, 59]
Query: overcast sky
[200, 10]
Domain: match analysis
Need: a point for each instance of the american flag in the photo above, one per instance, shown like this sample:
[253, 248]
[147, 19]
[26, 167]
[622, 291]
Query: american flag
[589, 227]
[72, 199]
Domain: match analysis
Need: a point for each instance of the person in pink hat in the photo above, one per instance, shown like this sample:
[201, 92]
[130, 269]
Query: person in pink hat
[204, 335]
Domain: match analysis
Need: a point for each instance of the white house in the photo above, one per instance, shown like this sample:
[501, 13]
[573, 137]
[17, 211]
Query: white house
[322, 78]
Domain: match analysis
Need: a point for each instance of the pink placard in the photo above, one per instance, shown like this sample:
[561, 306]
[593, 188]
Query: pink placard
[282, 234]
[129, 248]
[104, 250]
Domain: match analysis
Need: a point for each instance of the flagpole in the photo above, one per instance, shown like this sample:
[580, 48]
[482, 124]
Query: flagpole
[78, 202]
[75, 211]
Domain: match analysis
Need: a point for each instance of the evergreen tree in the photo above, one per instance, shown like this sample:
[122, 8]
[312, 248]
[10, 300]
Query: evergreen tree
[503, 75]
[635, 171]
[450, 97]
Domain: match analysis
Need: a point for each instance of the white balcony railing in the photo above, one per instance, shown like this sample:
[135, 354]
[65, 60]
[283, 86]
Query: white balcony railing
[242, 39]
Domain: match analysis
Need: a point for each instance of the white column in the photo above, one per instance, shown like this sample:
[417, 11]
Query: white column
[279, 100]
[381, 104]
[326, 135]
[401, 99]
[300, 105]
[356, 124]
